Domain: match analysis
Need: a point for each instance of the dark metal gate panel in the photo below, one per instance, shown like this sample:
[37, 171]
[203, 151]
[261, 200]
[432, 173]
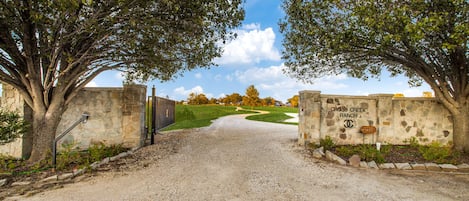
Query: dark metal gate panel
[160, 114]
[165, 110]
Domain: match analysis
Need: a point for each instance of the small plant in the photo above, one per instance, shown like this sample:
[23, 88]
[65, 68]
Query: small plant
[97, 152]
[413, 142]
[67, 157]
[12, 126]
[370, 153]
[100, 151]
[365, 151]
[346, 151]
[436, 152]
[327, 143]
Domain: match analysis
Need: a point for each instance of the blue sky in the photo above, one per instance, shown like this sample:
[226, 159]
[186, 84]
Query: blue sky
[254, 58]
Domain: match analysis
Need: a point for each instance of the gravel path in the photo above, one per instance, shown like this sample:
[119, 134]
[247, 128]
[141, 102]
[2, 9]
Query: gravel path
[237, 159]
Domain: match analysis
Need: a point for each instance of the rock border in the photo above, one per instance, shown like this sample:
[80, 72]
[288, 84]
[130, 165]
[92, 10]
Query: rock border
[354, 162]
[71, 175]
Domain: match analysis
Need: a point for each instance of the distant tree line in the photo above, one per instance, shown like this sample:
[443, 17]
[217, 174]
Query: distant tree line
[250, 98]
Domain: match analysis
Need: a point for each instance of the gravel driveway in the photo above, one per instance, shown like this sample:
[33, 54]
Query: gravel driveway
[238, 159]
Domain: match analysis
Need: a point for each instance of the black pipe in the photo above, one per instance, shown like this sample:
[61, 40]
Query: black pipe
[84, 118]
[153, 115]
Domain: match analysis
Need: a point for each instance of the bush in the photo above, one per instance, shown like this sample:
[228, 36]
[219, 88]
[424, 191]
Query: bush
[99, 152]
[436, 152]
[370, 153]
[346, 151]
[68, 157]
[365, 151]
[327, 143]
[185, 114]
[11, 126]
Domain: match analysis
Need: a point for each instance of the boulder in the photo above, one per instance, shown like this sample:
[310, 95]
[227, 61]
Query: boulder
[3, 182]
[387, 166]
[432, 167]
[448, 167]
[418, 166]
[463, 167]
[332, 157]
[363, 164]
[373, 165]
[403, 166]
[21, 183]
[354, 160]
[317, 153]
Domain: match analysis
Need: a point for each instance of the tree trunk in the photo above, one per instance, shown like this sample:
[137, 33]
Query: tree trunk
[461, 129]
[44, 129]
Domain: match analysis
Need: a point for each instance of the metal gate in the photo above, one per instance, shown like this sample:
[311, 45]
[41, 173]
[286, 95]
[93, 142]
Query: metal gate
[160, 114]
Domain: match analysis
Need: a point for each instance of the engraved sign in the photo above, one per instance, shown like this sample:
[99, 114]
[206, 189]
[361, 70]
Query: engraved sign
[348, 123]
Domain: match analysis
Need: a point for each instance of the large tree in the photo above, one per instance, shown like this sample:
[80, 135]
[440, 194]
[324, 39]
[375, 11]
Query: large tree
[50, 49]
[424, 40]
[251, 98]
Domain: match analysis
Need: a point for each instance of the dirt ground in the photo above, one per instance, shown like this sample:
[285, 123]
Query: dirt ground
[238, 159]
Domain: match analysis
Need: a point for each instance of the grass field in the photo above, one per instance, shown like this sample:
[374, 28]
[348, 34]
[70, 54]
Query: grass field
[275, 115]
[196, 116]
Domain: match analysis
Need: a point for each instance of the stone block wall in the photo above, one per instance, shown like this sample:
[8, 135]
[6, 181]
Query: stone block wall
[396, 119]
[117, 116]
[11, 100]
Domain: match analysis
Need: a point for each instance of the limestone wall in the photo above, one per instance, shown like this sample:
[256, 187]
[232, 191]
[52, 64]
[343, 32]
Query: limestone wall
[396, 119]
[116, 117]
[11, 100]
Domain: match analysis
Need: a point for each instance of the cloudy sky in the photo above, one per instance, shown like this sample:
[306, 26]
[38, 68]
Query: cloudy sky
[254, 58]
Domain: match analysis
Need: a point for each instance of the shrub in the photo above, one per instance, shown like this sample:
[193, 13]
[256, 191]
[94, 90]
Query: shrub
[99, 152]
[327, 143]
[370, 153]
[436, 152]
[346, 151]
[365, 151]
[67, 157]
[12, 126]
[185, 114]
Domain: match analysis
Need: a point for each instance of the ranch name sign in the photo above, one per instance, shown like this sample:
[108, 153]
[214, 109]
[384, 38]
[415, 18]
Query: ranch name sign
[344, 112]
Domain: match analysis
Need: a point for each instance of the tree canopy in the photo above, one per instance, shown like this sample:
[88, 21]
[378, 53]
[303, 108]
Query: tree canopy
[66, 43]
[50, 49]
[424, 40]
[251, 98]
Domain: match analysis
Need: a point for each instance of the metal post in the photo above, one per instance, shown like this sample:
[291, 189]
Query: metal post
[153, 115]
[83, 119]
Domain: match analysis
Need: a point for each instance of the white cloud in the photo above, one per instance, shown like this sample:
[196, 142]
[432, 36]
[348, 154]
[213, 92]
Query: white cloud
[198, 75]
[413, 92]
[184, 92]
[252, 26]
[222, 95]
[91, 84]
[251, 46]
[273, 82]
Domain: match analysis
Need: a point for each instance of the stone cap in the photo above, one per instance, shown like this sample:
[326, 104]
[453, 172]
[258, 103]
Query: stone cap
[310, 91]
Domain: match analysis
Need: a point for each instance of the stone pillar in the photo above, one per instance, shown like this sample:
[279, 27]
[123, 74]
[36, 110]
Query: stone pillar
[12, 100]
[309, 117]
[385, 127]
[133, 115]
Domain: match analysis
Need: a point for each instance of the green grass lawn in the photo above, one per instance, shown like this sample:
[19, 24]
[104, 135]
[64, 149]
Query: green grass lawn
[275, 115]
[195, 116]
